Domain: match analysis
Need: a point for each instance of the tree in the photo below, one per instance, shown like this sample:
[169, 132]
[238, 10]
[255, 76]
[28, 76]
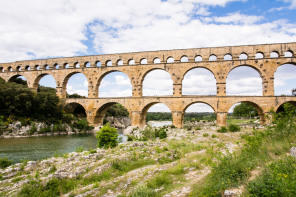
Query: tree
[244, 110]
[107, 137]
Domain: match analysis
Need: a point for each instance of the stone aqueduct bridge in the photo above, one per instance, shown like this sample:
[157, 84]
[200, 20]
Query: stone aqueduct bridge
[144, 62]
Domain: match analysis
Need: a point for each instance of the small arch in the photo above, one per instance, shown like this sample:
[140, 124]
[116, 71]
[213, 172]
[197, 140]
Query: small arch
[274, 54]
[213, 57]
[157, 82]
[9, 69]
[131, 62]
[46, 67]
[119, 62]
[18, 68]
[37, 67]
[156, 60]
[289, 53]
[56, 66]
[170, 59]
[248, 112]
[66, 65]
[259, 55]
[27, 68]
[143, 61]
[198, 58]
[98, 64]
[153, 107]
[228, 57]
[101, 112]
[184, 58]
[76, 65]
[108, 63]
[243, 56]
[1, 69]
[76, 109]
[87, 64]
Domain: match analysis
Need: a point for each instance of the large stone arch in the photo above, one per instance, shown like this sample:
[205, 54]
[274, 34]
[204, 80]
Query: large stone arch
[66, 79]
[151, 70]
[98, 83]
[249, 66]
[197, 67]
[39, 77]
[293, 102]
[101, 112]
[260, 110]
[73, 106]
[145, 109]
[14, 77]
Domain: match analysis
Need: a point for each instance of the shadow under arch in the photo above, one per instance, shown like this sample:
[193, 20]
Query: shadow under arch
[39, 77]
[65, 82]
[15, 77]
[75, 109]
[144, 112]
[263, 119]
[99, 81]
[194, 68]
[101, 112]
[280, 107]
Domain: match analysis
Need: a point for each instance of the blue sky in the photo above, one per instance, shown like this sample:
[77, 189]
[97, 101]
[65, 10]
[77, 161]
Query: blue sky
[34, 29]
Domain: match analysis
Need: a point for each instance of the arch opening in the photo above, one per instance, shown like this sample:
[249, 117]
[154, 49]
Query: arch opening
[87, 64]
[144, 61]
[45, 83]
[114, 84]
[199, 81]
[46, 67]
[199, 114]
[76, 65]
[18, 79]
[245, 113]
[274, 54]
[285, 80]
[289, 54]
[98, 64]
[156, 111]
[244, 80]
[37, 67]
[27, 68]
[119, 62]
[170, 60]
[259, 55]
[288, 107]
[18, 68]
[198, 58]
[108, 63]
[113, 113]
[184, 59]
[1, 69]
[56, 66]
[243, 56]
[156, 60]
[75, 85]
[227, 57]
[10, 69]
[131, 62]
[157, 83]
[76, 109]
[213, 58]
[66, 65]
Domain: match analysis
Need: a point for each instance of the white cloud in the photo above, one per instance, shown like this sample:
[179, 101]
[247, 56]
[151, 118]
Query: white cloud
[159, 107]
[157, 83]
[237, 18]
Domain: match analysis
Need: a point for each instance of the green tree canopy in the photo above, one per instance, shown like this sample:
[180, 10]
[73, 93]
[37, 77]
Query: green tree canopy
[244, 110]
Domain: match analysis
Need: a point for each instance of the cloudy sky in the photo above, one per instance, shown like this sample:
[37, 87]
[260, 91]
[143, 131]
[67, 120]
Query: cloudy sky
[35, 29]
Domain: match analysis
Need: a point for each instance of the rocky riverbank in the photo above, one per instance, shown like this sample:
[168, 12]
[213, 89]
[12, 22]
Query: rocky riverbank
[166, 167]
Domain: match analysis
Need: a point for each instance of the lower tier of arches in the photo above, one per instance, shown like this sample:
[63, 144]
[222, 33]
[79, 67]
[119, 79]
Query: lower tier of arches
[95, 109]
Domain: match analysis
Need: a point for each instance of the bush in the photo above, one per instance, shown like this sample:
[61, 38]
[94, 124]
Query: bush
[161, 133]
[5, 162]
[107, 137]
[142, 191]
[222, 130]
[233, 128]
[79, 149]
[82, 125]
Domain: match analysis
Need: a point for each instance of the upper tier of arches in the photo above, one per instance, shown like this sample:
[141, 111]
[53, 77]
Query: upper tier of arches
[156, 57]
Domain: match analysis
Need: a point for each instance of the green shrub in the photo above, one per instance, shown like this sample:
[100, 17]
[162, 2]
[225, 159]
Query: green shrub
[205, 135]
[82, 125]
[198, 128]
[79, 149]
[92, 151]
[5, 162]
[33, 129]
[223, 129]
[161, 133]
[214, 136]
[278, 179]
[233, 128]
[142, 191]
[130, 138]
[107, 137]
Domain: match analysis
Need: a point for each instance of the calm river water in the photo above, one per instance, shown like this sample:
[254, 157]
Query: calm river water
[35, 148]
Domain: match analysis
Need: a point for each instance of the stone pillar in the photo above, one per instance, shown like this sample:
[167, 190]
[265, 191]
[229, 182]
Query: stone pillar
[177, 119]
[268, 86]
[265, 118]
[221, 119]
[60, 92]
[177, 90]
[221, 89]
[90, 117]
[92, 92]
[137, 90]
[136, 119]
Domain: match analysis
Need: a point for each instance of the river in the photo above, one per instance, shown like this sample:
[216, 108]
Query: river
[36, 148]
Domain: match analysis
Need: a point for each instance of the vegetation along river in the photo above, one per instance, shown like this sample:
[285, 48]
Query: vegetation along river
[36, 148]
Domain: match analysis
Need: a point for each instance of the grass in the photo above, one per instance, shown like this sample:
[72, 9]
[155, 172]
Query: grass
[238, 121]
